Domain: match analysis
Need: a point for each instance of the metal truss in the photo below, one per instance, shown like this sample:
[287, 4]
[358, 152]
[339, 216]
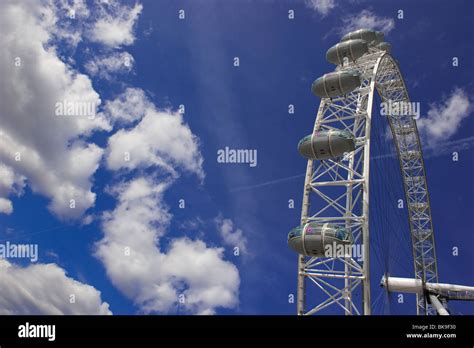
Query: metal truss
[339, 191]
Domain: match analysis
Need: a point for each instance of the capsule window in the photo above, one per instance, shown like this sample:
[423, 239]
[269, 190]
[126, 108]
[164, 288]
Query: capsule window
[304, 140]
[343, 235]
[295, 232]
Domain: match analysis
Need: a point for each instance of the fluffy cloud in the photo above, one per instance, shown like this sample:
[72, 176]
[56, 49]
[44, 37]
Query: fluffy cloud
[233, 237]
[321, 6]
[68, 20]
[161, 138]
[53, 154]
[49, 150]
[209, 281]
[443, 120]
[28, 291]
[154, 279]
[367, 19]
[128, 107]
[10, 182]
[6, 206]
[110, 65]
[114, 27]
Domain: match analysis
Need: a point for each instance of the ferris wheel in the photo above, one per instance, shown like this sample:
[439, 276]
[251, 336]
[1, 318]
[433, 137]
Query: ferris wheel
[336, 223]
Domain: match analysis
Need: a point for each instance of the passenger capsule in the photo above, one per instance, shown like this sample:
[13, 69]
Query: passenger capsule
[336, 83]
[384, 46]
[326, 144]
[313, 239]
[350, 49]
[371, 36]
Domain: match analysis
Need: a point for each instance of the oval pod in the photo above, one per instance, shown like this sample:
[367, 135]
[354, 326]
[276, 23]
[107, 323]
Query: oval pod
[312, 238]
[326, 144]
[371, 36]
[336, 83]
[352, 49]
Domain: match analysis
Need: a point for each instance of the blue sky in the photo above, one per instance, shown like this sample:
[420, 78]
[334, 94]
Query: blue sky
[190, 62]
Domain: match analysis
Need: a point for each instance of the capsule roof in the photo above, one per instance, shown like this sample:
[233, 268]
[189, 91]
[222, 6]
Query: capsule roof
[343, 133]
[334, 230]
[369, 35]
[336, 83]
[345, 73]
[351, 49]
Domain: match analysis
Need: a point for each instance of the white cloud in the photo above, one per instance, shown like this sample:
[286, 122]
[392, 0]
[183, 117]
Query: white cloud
[155, 279]
[55, 156]
[45, 289]
[367, 19]
[210, 281]
[10, 183]
[128, 107]
[74, 8]
[6, 206]
[443, 120]
[64, 20]
[68, 20]
[234, 237]
[109, 65]
[321, 6]
[115, 26]
[161, 138]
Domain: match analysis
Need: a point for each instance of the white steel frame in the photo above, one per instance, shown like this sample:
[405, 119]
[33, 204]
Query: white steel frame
[340, 189]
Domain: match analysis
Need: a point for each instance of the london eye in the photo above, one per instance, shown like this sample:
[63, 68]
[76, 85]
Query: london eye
[337, 197]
